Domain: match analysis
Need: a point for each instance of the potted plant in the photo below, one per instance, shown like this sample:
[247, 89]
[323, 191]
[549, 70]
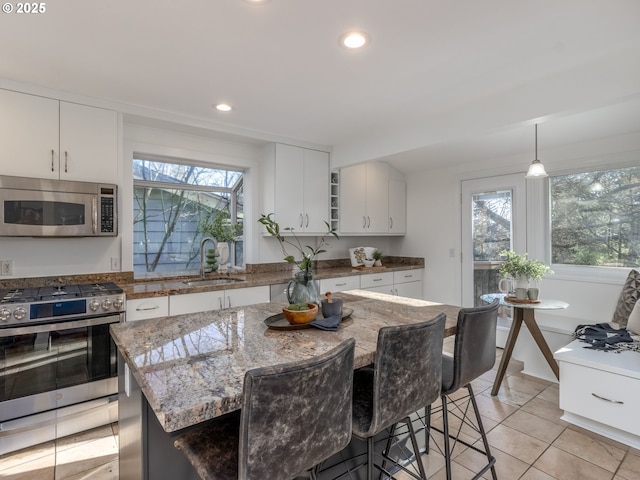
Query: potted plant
[523, 270]
[221, 228]
[377, 256]
[306, 253]
[304, 289]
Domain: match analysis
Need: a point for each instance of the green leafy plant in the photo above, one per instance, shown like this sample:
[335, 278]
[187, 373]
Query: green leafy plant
[377, 255]
[219, 226]
[307, 253]
[520, 266]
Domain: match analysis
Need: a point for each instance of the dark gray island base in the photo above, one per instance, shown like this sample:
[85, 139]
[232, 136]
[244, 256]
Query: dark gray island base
[177, 372]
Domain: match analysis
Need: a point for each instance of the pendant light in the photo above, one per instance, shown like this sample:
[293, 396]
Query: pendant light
[536, 169]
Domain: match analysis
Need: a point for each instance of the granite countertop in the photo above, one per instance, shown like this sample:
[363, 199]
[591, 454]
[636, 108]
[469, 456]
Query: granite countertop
[177, 286]
[254, 275]
[191, 367]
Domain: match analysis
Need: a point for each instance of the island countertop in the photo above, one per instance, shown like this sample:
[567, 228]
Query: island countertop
[191, 367]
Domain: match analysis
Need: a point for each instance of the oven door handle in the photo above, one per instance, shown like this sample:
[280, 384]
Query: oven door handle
[52, 327]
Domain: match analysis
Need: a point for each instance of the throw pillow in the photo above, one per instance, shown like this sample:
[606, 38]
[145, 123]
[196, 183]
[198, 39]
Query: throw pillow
[628, 297]
[633, 325]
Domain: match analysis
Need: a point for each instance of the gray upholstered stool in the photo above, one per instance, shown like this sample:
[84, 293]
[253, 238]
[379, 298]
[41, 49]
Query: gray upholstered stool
[293, 417]
[405, 377]
[474, 354]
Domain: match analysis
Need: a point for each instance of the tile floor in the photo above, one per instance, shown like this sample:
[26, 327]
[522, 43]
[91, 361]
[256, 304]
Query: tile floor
[87, 455]
[525, 432]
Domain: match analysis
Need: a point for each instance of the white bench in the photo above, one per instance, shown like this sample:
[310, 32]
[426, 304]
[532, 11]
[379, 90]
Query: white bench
[599, 391]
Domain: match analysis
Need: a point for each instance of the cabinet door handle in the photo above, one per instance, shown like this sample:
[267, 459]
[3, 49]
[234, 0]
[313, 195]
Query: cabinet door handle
[390, 223]
[66, 155]
[364, 222]
[301, 221]
[220, 300]
[341, 284]
[377, 280]
[368, 221]
[307, 217]
[617, 402]
[146, 309]
[229, 301]
[52, 156]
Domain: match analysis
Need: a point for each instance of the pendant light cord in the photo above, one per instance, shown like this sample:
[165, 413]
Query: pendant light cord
[536, 141]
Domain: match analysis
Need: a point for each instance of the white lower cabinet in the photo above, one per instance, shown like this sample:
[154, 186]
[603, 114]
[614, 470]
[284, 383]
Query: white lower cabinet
[409, 290]
[217, 300]
[408, 283]
[196, 302]
[599, 391]
[339, 284]
[404, 283]
[143, 308]
[378, 282]
[246, 296]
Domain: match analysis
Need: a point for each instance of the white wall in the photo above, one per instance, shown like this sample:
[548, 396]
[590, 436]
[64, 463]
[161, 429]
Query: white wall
[434, 227]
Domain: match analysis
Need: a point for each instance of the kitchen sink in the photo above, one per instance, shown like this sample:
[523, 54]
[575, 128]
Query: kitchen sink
[212, 281]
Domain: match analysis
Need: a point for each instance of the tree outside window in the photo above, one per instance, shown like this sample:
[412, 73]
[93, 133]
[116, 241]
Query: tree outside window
[170, 200]
[595, 218]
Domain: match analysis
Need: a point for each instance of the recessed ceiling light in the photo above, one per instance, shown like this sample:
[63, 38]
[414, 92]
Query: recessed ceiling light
[354, 40]
[223, 107]
[256, 2]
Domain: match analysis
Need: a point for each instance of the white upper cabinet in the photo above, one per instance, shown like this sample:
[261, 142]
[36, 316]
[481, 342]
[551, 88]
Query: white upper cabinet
[29, 135]
[397, 206]
[372, 200]
[88, 143]
[353, 199]
[297, 188]
[45, 138]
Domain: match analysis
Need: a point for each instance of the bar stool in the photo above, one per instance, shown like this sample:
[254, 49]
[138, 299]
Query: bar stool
[293, 417]
[474, 354]
[405, 377]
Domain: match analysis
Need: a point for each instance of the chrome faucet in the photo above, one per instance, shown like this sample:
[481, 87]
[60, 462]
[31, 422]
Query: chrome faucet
[205, 240]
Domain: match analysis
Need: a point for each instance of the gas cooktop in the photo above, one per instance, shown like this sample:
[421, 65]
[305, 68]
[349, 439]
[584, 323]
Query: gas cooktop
[63, 302]
[61, 292]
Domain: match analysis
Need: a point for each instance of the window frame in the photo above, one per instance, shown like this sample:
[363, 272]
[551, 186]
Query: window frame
[231, 191]
[539, 228]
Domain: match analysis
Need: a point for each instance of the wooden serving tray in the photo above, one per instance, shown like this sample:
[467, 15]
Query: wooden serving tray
[278, 322]
[515, 300]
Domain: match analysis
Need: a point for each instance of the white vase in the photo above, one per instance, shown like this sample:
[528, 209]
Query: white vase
[522, 282]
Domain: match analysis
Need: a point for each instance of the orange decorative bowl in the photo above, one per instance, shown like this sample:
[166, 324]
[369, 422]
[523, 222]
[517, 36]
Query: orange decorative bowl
[298, 317]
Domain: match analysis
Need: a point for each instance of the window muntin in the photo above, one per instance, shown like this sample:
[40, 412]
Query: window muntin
[170, 199]
[595, 218]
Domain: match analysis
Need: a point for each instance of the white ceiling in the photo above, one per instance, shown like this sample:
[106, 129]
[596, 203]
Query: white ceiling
[441, 80]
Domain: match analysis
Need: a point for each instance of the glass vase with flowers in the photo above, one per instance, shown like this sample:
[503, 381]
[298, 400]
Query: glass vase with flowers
[302, 288]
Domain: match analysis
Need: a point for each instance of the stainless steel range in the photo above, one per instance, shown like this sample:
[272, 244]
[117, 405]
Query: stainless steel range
[57, 361]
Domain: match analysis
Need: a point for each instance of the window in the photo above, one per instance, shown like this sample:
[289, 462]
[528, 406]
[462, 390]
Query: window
[595, 218]
[171, 199]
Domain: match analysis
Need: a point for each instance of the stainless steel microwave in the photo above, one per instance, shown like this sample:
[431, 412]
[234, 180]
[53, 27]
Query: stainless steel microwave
[33, 207]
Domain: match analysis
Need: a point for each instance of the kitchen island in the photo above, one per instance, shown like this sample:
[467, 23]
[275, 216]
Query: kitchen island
[176, 372]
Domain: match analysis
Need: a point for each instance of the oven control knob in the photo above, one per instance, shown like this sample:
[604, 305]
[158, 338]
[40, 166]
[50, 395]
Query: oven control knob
[94, 305]
[19, 313]
[5, 315]
[117, 303]
[106, 305]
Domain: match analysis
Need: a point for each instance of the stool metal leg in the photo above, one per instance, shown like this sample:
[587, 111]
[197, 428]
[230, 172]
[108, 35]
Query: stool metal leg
[447, 447]
[416, 450]
[370, 448]
[483, 434]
